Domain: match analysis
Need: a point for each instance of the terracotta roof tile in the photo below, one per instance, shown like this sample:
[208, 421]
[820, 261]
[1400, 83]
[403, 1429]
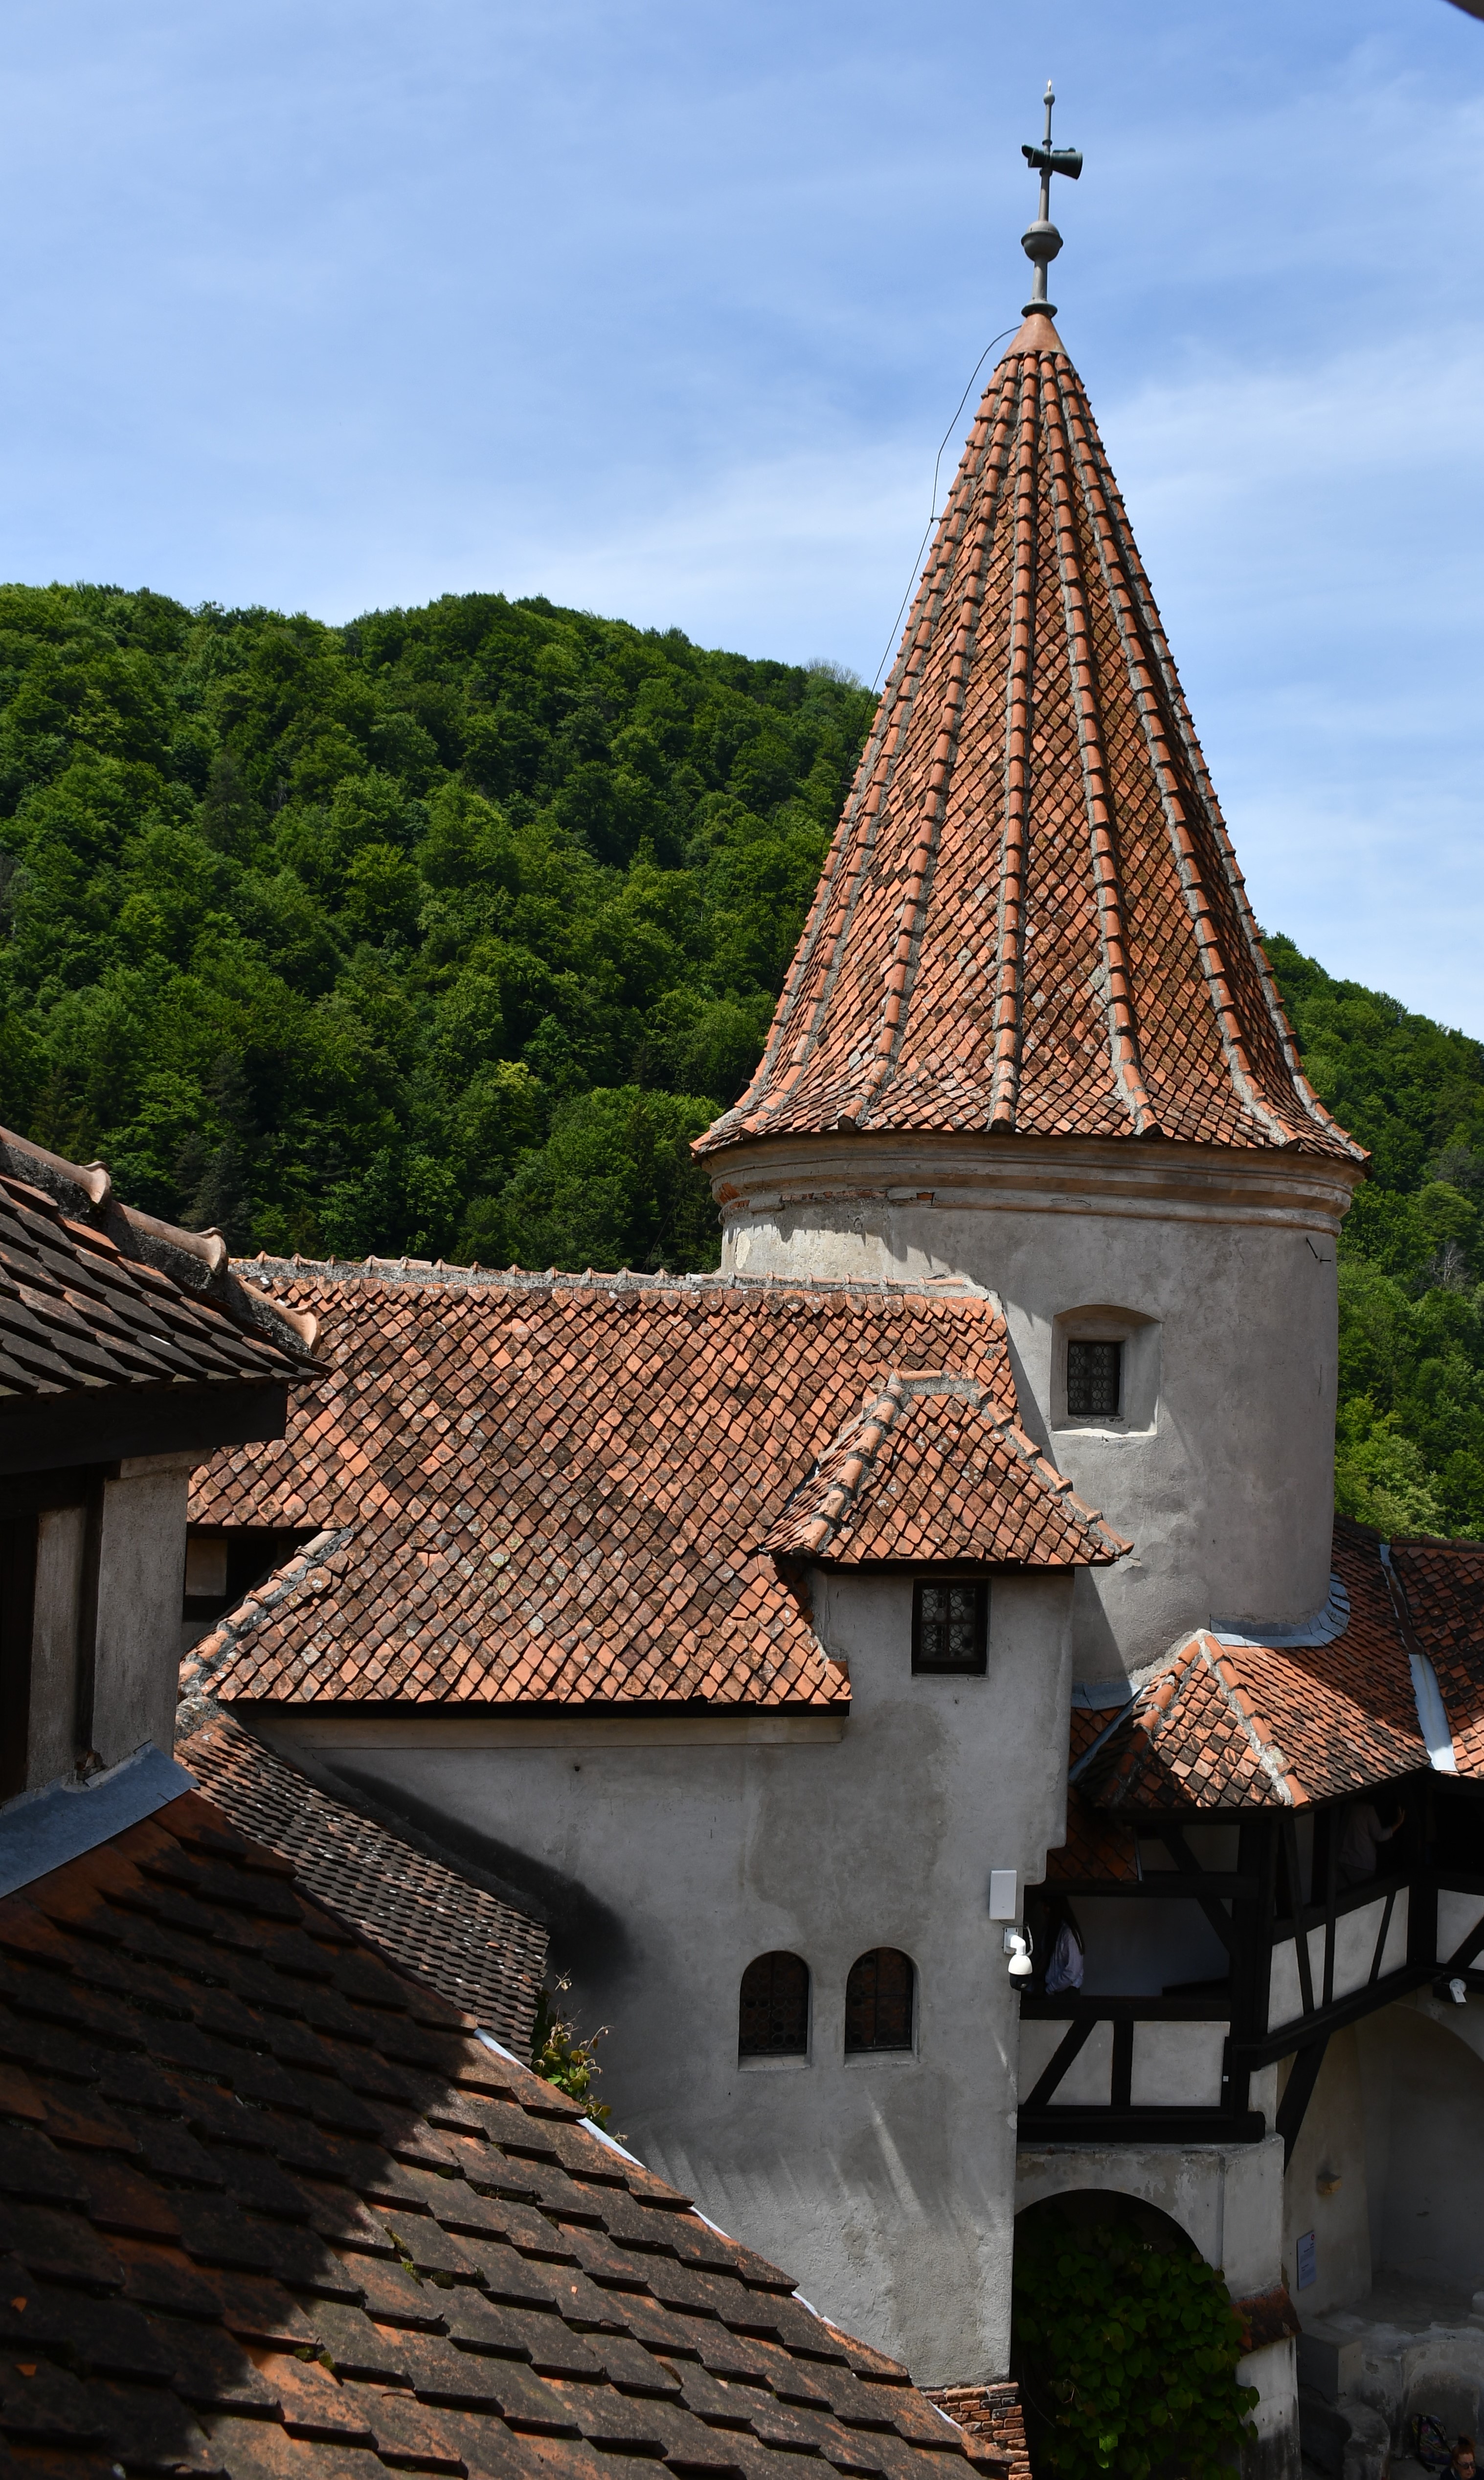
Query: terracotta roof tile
[97, 1299]
[1031, 918]
[928, 1469]
[1224, 1726]
[1443, 1583]
[213, 2263]
[557, 1489]
[1096, 1845]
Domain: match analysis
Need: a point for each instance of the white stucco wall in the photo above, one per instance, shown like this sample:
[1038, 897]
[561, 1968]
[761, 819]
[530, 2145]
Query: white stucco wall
[1219, 1270]
[884, 2183]
[1327, 2189]
[1423, 2076]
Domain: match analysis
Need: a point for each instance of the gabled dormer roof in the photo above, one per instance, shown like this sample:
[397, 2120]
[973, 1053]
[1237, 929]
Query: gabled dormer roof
[931, 1468]
[573, 1491]
[1032, 921]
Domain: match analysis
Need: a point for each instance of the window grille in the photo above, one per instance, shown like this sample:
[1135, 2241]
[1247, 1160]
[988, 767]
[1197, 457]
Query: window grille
[1094, 1379]
[950, 1623]
[878, 2000]
[774, 2017]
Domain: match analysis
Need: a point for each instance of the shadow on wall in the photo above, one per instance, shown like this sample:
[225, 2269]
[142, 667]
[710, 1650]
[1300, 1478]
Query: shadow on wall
[1425, 2111]
[589, 1943]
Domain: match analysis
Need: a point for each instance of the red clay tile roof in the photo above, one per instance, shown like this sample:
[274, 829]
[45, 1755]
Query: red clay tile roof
[269, 2209]
[1031, 918]
[553, 1489]
[97, 1299]
[1443, 1583]
[1222, 1726]
[928, 1469]
[1097, 1847]
[424, 1917]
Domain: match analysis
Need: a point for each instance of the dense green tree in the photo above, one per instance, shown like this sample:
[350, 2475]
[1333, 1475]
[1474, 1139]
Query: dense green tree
[447, 930]
[1409, 1442]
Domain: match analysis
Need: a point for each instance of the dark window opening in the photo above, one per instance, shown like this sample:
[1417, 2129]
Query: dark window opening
[879, 2000]
[17, 1609]
[1094, 1379]
[773, 2018]
[949, 1624]
[224, 1561]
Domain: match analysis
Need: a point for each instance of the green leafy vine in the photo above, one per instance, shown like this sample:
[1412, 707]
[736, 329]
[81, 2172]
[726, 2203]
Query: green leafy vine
[1126, 2355]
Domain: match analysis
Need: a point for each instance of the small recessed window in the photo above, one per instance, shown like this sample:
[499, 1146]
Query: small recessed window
[950, 1623]
[878, 2000]
[773, 2018]
[1094, 1379]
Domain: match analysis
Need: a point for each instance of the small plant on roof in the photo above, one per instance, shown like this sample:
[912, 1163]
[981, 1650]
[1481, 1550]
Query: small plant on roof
[561, 2058]
[1126, 2355]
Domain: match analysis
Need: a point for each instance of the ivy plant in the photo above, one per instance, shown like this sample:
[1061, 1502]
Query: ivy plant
[1126, 2355]
[563, 2058]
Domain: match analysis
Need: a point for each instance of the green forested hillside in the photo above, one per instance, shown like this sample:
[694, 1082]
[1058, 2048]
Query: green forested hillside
[1411, 1433]
[446, 931]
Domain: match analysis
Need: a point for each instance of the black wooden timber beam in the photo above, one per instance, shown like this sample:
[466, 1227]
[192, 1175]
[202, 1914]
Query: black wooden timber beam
[1300, 1910]
[1137, 2126]
[1188, 1867]
[1075, 2038]
[1324, 2020]
[1469, 1953]
[1159, 1885]
[1070, 2006]
[1298, 2092]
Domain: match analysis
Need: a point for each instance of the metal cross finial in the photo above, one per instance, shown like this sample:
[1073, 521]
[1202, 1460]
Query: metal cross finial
[1042, 241]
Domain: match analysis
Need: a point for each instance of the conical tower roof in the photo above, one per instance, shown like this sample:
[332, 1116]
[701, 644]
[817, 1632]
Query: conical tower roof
[1031, 922]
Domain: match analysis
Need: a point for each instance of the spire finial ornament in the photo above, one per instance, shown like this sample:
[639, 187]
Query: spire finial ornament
[1042, 241]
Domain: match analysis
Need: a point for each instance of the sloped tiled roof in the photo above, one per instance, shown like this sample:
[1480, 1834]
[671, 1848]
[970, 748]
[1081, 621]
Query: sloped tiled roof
[553, 1489]
[1096, 1845]
[1443, 1583]
[1221, 1726]
[270, 2210]
[1032, 920]
[927, 1470]
[96, 1298]
[430, 1918]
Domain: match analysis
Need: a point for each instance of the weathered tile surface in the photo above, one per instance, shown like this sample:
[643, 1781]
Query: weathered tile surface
[1224, 1727]
[80, 1313]
[431, 1920]
[1031, 918]
[266, 2212]
[928, 1469]
[556, 1489]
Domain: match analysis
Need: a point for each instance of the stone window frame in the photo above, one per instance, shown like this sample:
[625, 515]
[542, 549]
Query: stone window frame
[771, 2058]
[932, 1579]
[1138, 1402]
[858, 2049]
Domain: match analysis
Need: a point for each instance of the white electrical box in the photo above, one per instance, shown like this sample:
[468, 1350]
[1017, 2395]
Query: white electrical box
[1003, 1905]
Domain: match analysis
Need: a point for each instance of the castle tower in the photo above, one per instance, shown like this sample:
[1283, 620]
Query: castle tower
[1030, 1036]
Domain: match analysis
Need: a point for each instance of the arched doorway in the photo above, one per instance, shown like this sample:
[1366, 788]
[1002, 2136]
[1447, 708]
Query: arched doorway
[1123, 2344]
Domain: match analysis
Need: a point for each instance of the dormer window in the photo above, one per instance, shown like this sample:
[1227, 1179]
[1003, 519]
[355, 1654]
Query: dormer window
[950, 1623]
[1094, 1379]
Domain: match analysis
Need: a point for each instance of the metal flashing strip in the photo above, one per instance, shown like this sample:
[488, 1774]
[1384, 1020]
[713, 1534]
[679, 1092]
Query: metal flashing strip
[1323, 1628]
[43, 1830]
[1432, 1719]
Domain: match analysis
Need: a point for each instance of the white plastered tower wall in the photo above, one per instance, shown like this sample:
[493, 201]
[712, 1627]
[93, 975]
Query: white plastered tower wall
[885, 2183]
[1215, 1270]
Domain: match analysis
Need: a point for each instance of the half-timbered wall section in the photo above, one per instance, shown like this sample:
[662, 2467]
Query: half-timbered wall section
[1263, 1845]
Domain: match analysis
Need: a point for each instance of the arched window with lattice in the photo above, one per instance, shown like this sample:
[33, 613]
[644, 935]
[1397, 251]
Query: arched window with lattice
[880, 2000]
[774, 2016]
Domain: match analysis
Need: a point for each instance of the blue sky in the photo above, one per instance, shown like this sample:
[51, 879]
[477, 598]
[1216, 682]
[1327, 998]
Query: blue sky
[660, 307]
